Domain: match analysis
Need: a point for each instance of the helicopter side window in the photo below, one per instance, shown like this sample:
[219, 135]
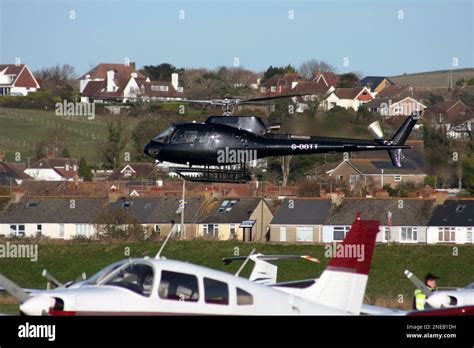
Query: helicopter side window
[136, 277]
[178, 287]
[184, 137]
[164, 136]
[204, 138]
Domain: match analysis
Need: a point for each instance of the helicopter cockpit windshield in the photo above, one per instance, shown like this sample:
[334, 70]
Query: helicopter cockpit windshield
[164, 136]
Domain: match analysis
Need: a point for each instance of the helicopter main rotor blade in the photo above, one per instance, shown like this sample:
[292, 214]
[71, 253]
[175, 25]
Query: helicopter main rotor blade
[260, 99]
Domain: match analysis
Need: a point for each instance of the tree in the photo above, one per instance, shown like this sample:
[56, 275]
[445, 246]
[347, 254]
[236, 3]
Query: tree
[65, 153]
[285, 164]
[84, 170]
[56, 73]
[348, 80]
[432, 99]
[313, 66]
[142, 133]
[272, 71]
[161, 72]
[118, 224]
[111, 149]
[468, 173]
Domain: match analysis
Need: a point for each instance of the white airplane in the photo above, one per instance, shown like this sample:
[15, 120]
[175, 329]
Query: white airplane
[161, 287]
[444, 298]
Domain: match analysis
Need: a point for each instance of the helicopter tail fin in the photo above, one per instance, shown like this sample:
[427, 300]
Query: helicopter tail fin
[400, 138]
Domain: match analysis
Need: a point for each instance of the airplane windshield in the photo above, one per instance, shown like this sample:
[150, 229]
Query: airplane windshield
[470, 286]
[135, 277]
[96, 278]
[163, 137]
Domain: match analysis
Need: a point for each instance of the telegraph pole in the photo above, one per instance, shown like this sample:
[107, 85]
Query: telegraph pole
[183, 204]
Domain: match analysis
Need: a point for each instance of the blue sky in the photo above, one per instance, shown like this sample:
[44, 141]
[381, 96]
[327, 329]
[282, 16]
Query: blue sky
[259, 33]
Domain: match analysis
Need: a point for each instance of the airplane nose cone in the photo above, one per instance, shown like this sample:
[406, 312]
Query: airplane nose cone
[152, 149]
[37, 305]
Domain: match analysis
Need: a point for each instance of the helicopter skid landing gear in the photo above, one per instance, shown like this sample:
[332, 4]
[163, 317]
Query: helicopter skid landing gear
[212, 174]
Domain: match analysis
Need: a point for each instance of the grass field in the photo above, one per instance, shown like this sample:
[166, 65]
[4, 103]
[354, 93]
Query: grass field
[386, 281]
[21, 130]
[433, 79]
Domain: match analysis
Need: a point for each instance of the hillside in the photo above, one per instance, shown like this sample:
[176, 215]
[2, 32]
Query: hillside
[433, 79]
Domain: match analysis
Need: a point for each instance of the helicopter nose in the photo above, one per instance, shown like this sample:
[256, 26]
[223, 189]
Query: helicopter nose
[152, 149]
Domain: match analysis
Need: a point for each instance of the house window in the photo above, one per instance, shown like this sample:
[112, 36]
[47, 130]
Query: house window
[469, 235]
[386, 234]
[282, 233]
[409, 234]
[232, 231]
[158, 88]
[216, 292]
[127, 172]
[39, 230]
[397, 178]
[226, 206]
[244, 298]
[446, 234]
[339, 177]
[273, 89]
[339, 232]
[13, 230]
[304, 233]
[61, 231]
[263, 89]
[178, 287]
[211, 230]
[352, 179]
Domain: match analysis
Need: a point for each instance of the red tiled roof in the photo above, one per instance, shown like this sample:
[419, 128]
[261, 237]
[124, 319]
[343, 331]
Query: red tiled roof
[348, 93]
[121, 70]
[12, 69]
[442, 107]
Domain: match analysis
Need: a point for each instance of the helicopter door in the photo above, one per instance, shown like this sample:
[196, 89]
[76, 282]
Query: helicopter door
[203, 141]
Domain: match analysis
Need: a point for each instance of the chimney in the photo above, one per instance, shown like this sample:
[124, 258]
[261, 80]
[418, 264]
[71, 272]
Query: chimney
[2, 156]
[132, 67]
[174, 80]
[50, 154]
[110, 80]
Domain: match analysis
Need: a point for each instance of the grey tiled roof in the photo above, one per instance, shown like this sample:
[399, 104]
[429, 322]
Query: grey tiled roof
[302, 211]
[161, 209]
[453, 213]
[53, 210]
[241, 211]
[413, 212]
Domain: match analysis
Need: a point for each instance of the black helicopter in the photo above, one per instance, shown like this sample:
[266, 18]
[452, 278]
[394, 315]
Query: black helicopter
[223, 146]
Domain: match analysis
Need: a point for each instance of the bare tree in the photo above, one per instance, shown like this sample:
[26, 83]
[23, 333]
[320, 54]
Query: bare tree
[285, 164]
[312, 66]
[56, 73]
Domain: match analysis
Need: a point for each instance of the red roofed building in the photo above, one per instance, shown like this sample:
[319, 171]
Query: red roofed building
[54, 169]
[123, 82]
[17, 80]
[279, 84]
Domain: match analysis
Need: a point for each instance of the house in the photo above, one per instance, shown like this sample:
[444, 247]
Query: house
[279, 84]
[62, 218]
[402, 220]
[101, 72]
[403, 106]
[54, 169]
[376, 83]
[134, 171]
[161, 215]
[299, 220]
[348, 98]
[244, 219]
[376, 172]
[11, 173]
[327, 79]
[119, 82]
[17, 80]
[453, 117]
[452, 222]
[315, 93]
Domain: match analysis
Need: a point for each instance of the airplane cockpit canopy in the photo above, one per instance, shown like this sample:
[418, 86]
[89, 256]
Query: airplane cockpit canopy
[137, 277]
[470, 286]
